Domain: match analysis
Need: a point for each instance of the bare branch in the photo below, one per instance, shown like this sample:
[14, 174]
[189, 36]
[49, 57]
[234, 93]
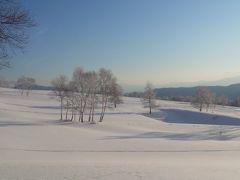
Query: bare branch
[14, 21]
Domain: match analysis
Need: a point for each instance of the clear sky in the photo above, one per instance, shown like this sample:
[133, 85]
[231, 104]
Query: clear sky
[162, 41]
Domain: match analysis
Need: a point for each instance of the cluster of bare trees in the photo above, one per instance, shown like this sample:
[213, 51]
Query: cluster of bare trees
[86, 93]
[222, 100]
[14, 21]
[205, 99]
[25, 84]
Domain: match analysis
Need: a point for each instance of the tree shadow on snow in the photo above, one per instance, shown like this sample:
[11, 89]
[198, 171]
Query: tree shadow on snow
[15, 123]
[45, 107]
[119, 113]
[192, 117]
[219, 134]
[34, 123]
[227, 127]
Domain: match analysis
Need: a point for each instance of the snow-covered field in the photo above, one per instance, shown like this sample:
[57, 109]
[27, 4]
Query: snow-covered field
[176, 142]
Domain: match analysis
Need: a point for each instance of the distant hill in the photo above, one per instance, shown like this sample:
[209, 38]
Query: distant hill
[231, 91]
[41, 87]
[37, 87]
[12, 84]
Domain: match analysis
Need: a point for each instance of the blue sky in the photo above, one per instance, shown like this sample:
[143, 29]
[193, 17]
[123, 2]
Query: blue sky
[162, 41]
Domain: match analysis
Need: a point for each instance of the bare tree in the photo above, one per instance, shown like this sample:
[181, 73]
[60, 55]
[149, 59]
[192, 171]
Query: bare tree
[105, 83]
[60, 88]
[148, 98]
[25, 84]
[92, 79]
[20, 84]
[236, 102]
[203, 99]
[71, 94]
[14, 21]
[222, 100]
[81, 85]
[116, 93]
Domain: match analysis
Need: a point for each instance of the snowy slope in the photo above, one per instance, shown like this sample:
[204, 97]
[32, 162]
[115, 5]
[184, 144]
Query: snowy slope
[176, 142]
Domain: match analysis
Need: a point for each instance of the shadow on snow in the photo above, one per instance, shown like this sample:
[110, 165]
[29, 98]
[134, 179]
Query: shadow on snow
[192, 117]
[219, 134]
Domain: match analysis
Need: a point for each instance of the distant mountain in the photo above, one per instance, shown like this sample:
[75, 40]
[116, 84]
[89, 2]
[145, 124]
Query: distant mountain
[231, 91]
[220, 82]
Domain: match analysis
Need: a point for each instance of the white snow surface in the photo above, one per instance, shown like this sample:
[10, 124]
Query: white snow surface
[175, 142]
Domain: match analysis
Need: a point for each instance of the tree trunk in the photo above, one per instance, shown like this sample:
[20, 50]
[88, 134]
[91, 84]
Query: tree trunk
[101, 114]
[80, 115]
[149, 103]
[104, 109]
[72, 117]
[93, 113]
[81, 112]
[61, 108]
[72, 112]
[90, 114]
[67, 114]
[83, 109]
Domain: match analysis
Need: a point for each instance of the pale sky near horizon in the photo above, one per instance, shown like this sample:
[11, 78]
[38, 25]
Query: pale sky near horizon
[162, 41]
